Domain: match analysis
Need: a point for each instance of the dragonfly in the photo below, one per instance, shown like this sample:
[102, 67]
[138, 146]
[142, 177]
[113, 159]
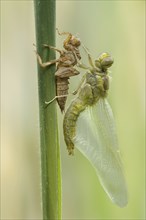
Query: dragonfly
[65, 66]
[90, 127]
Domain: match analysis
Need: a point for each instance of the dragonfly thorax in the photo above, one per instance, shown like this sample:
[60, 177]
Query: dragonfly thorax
[99, 85]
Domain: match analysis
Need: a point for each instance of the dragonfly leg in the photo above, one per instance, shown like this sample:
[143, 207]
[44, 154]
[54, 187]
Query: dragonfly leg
[82, 65]
[56, 97]
[63, 33]
[89, 57]
[52, 48]
[46, 63]
[79, 86]
[79, 63]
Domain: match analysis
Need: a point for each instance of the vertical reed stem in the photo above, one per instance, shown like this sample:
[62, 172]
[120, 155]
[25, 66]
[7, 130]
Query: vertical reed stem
[49, 146]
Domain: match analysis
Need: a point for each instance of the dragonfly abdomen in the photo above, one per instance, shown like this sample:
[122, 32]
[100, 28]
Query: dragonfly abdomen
[62, 91]
[69, 123]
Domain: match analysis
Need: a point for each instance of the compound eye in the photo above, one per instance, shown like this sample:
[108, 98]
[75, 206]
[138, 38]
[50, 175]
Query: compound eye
[107, 61]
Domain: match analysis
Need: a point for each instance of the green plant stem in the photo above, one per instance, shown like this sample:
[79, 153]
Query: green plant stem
[50, 154]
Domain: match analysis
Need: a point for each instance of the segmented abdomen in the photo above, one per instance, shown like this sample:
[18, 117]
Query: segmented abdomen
[69, 123]
[62, 89]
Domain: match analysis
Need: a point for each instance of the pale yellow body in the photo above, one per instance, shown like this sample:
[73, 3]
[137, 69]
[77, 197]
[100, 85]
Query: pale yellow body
[93, 89]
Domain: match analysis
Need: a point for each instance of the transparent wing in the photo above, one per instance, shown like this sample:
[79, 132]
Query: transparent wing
[97, 140]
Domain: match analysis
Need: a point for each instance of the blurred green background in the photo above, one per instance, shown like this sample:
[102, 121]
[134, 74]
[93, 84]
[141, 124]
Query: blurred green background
[117, 27]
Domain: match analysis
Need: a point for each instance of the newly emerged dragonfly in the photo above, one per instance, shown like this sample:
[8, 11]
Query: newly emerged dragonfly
[89, 126]
[65, 66]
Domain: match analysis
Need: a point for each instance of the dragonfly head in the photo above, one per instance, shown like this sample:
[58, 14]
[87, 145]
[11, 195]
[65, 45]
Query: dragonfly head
[75, 41]
[71, 42]
[104, 61]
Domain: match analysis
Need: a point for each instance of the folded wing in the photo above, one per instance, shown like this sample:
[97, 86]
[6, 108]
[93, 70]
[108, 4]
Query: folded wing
[96, 139]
